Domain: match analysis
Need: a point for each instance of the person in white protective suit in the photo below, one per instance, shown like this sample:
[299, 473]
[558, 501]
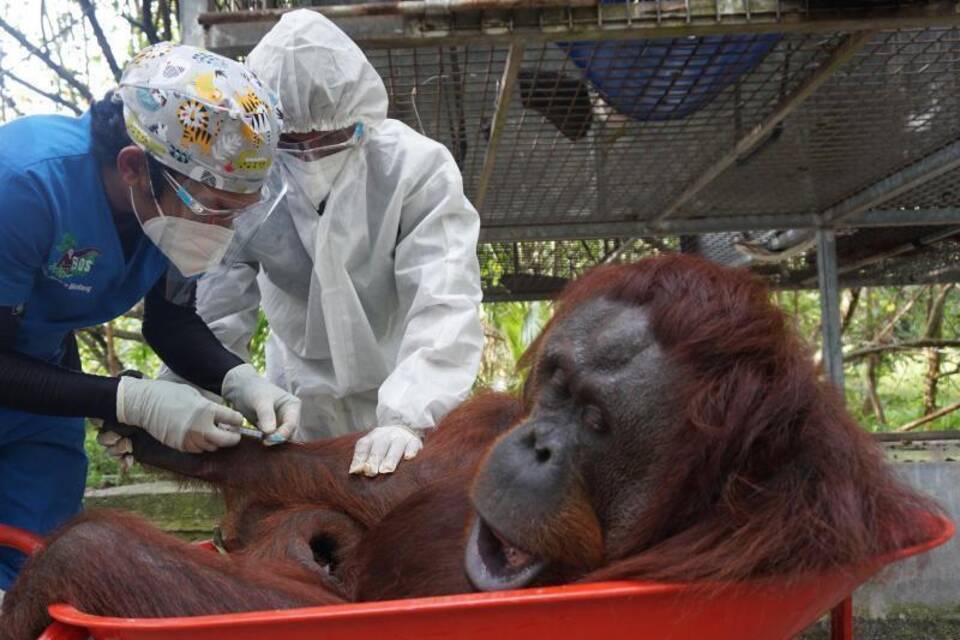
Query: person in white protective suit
[368, 272]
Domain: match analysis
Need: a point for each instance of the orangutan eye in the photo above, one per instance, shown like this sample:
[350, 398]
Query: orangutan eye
[593, 419]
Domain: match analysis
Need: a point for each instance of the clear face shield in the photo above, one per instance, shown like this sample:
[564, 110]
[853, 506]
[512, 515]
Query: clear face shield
[210, 231]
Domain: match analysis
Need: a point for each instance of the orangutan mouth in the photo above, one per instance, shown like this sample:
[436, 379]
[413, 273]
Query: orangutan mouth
[493, 563]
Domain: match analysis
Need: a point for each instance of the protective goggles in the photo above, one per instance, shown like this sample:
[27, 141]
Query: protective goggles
[192, 196]
[323, 144]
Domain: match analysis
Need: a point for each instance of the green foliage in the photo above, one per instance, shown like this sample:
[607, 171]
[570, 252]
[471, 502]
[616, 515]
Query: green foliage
[509, 328]
[258, 342]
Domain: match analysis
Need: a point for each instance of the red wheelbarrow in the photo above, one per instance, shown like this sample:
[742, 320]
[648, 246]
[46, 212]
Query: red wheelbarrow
[763, 610]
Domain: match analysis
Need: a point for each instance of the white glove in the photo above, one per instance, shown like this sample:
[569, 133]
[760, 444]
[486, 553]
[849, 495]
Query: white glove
[380, 450]
[263, 403]
[176, 415]
[117, 447]
[166, 373]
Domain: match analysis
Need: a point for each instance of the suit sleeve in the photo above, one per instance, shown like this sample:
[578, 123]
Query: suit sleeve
[438, 282]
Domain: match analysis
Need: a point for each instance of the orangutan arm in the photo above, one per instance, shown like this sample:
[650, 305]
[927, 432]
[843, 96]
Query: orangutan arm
[115, 564]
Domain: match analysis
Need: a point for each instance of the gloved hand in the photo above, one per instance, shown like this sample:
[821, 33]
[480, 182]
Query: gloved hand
[380, 450]
[166, 373]
[263, 403]
[176, 415]
[117, 447]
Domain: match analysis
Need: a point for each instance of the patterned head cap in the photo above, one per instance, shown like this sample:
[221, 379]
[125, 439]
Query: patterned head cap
[202, 115]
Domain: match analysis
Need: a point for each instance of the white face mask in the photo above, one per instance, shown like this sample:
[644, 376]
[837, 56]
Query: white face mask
[193, 247]
[316, 177]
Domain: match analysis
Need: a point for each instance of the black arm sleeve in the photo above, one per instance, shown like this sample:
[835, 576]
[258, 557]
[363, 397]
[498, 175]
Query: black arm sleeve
[182, 340]
[36, 386]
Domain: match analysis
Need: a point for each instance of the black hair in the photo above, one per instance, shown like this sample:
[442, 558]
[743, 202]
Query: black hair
[108, 135]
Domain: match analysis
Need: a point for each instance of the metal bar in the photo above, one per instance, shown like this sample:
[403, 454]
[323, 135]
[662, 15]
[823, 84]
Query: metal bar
[224, 35]
[715, 224]
[919, 436]
[830, 305]
[906, 247]
[502, 105]
[841, 620]
[847, 48]
[402, 7]
[920, 172]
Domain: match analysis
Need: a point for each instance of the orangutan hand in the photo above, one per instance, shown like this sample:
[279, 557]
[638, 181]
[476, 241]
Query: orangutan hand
[117, 447]
[381, 450]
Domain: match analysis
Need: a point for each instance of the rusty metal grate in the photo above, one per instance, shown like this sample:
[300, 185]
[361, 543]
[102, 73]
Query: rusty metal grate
[643, 118]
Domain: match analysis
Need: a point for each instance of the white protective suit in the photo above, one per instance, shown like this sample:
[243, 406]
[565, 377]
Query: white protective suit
[383, 328]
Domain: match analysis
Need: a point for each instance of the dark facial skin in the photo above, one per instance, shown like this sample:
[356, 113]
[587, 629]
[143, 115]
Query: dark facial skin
[564, 486]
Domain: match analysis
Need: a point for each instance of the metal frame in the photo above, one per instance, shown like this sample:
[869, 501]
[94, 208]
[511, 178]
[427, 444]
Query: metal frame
[511, 69]
[449, 22]
[747, 144]
[718, 224]
[519, 27]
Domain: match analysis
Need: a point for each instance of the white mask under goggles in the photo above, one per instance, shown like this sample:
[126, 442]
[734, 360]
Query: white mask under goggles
[197, 246]
[323, 144]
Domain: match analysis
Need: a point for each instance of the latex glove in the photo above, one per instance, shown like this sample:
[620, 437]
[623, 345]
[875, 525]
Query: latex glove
[381, 450]
[117, 447]
[176, 415]
[166, 373]
[263, 403]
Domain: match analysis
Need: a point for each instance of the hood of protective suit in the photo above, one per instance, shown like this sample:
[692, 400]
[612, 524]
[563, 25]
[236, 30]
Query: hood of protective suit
[322, 77]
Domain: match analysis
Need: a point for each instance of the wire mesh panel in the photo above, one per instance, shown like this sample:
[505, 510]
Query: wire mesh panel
[446, 93]
[556, 134]
[538, 270]
[939, 193]
[674, 105]
[894, 103]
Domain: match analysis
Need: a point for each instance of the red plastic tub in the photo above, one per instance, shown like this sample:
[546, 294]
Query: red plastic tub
[758, 611]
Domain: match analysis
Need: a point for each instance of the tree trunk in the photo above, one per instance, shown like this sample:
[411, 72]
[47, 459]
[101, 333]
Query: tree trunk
[872, 396]
[114, 366]
[872, 402]
[933, 330]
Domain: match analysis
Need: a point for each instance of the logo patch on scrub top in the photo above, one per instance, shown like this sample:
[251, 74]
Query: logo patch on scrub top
[73, 262]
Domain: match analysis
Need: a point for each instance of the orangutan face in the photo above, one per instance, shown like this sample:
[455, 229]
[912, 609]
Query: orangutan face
[561, 491]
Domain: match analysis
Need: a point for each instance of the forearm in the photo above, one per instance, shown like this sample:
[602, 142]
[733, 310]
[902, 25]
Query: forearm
[29, 384]
[32, 385]
[185, 343]
[429, 383]
[438, 282]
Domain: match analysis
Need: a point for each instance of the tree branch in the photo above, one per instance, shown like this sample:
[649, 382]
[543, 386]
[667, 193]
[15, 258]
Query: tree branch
[898, 346]
[122, 334]
[91, 13]
[165, 7]
[66, 74]
[902, 311]
[149, 29]
[49, 96]
[910, 426]
[88, 340]
[851, 308]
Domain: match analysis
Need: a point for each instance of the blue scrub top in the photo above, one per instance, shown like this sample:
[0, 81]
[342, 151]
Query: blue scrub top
[60, 254]
[62, 265]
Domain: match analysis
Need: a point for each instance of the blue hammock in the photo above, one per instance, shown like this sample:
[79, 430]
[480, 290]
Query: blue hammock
[668, 78]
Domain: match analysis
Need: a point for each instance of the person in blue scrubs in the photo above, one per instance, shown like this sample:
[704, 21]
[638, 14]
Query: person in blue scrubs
[128, 202]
